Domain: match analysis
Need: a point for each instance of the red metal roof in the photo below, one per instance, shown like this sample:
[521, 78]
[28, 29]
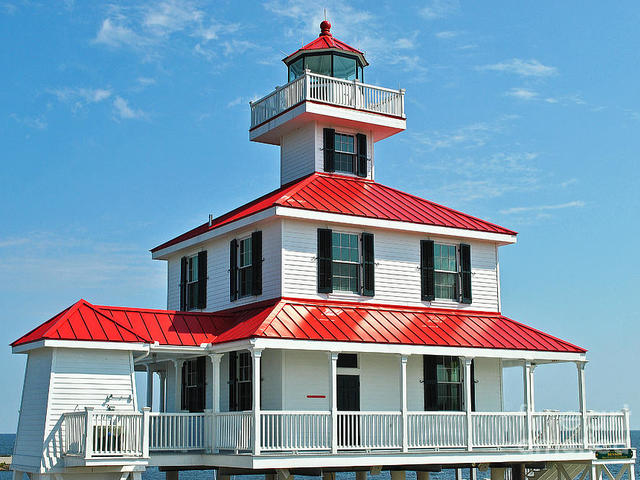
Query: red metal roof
[326, 41]
[299, 320]
[334, 193]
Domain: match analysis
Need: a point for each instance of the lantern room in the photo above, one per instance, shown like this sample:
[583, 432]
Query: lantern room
[326, 55]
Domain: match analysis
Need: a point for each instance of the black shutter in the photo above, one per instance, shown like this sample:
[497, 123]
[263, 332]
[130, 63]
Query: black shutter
[233, 270]
[325, 277]
[183, 393]
[473, 385]
[362, 155]
[465, 273]
[329, 149]
[427, 281]
[183, 284]
[198, 402]
[429, 369]
[256, 263]
[233, 381]
[202, 279]
[368, 265]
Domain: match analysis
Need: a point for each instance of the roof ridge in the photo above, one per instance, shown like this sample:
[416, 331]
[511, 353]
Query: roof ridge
[277, 308]
[64, 315]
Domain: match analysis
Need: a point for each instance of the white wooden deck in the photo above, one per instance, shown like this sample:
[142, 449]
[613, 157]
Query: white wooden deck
[136, 435]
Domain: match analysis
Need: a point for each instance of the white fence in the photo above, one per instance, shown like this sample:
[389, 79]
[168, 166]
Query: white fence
[123, 434]
[329, 90]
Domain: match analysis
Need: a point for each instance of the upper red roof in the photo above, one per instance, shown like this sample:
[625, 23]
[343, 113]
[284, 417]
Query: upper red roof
[333, 193]
[326, 41]
[299, 320]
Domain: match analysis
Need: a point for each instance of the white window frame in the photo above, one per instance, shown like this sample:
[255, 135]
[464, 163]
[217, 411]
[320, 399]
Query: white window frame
[353, 154]
[456, 272]
[245, 267]
[358, 263]
[192, 260]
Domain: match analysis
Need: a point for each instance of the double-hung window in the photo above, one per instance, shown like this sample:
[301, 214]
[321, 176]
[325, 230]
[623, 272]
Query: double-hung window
[446, 271]
[193, 281]
[345, 154]
[193, 384]
[443, 385]
[240, 381]
[244, 267]
[346, 262]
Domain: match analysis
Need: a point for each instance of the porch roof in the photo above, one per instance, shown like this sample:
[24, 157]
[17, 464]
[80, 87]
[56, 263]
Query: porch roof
[297, 319]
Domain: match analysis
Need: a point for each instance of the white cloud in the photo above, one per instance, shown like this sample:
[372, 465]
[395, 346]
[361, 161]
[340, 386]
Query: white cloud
[522, 93]
[440, 9]
[38, 122]
[447, 34]
[115, 35]
[524, 68]
[124, 111]
[543, 208]
[79, 97]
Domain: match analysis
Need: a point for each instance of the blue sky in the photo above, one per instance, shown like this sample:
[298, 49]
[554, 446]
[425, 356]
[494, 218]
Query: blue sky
[122, 125]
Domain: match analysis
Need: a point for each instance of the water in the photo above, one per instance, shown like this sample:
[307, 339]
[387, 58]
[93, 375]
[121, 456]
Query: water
[6, 447]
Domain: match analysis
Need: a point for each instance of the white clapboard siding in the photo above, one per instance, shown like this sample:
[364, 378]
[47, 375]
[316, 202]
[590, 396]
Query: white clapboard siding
[27, 451]
[297, 153]
[218, 268]
[350, 131]
[397, 278]
[85, 378]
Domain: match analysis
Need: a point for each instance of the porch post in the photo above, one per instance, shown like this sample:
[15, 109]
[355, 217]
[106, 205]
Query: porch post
[403, 402]
[333, 398]
[527, 400]
[532, 396]
[467, 401]
[149, 386]
[256, 355]
[215, 358]
[583, 403]
[177, 405]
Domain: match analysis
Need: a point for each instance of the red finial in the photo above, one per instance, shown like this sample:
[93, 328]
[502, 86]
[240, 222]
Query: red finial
[325, 29]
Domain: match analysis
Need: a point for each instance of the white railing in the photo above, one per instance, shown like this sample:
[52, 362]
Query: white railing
[295, 431]
[329, 90]
[369, 430]
[132, 434]
[437, 429]
[557, 430]
[499, 430]
[74, 430]
[606, 430]
[178, 431]
[234, 431]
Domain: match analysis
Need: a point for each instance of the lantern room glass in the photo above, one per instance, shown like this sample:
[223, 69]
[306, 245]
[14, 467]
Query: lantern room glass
[334, 65]
[319, 64]
[344, 67]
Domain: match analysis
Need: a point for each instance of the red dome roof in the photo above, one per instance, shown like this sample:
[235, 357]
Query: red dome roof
[326, 41]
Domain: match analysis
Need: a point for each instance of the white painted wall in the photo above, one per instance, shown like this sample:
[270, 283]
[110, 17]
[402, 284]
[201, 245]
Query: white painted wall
[488, 378]
[218, 268]
[397, 278]
[298, 153]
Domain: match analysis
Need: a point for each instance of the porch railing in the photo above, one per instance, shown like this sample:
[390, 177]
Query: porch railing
[328, 90]
[132, 434]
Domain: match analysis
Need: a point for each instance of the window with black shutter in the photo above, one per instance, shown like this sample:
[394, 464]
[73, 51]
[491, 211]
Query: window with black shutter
[245, 266]
[443, 385]
[329, 135]
[345, 153]
[324, 261]
[368, 265]
[193, 281]
[193, 384]
[240, 381]
[465, 273]
[445, 271]
[362, 155]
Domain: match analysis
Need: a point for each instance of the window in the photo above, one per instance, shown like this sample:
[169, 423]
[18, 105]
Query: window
[345, 153]
[347, 360]
[345, 256]
[319, 64]
[446, 271]
[244, 267]
[240, 381]
[344, 67]
[192, 282]
[442, 383]
[193, 380]
[296, 69]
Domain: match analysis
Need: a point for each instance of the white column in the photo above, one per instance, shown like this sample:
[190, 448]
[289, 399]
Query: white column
[583, 402]
[145, 432]
[149, 387]
[458, 474]
[526, 372]
[467, 401]
[177, 405]
[333, 398]
[215, 358]
[403, 402]
[256, 355]
[532, 396]
[163, 391]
